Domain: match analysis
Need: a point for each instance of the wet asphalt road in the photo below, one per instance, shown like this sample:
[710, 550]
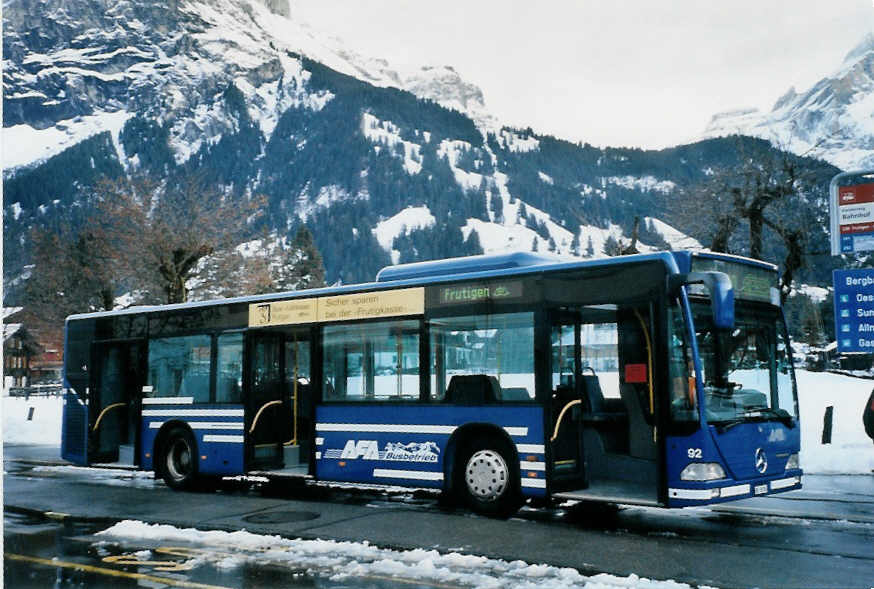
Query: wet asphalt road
[822, 536]
[41, 552]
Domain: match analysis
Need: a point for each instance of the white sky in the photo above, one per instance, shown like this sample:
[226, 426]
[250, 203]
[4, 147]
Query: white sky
[615, 72]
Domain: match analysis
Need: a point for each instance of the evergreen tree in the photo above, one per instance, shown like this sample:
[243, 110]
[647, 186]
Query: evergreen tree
[612, 246]
[575, 244]
[301, 265]
[590, 248]
[472, 245]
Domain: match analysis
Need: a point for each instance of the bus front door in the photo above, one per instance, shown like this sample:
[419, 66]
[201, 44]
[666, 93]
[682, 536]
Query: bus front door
[277, 415]
[115, 403]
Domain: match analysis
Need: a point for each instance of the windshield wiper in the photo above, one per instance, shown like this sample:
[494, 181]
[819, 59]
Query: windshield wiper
[765, 413]
[781, 415]
[724, 426]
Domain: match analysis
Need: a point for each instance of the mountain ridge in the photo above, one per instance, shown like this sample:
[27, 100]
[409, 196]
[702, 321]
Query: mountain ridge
[832, 120]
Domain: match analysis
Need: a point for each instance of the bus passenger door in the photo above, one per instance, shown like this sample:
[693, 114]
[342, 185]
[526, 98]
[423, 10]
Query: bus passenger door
[266, 406]
[115, 403]
[565, 433]
[279, 404]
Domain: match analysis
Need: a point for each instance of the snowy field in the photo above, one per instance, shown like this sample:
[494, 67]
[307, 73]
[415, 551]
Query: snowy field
[43, 429]
[851, 451]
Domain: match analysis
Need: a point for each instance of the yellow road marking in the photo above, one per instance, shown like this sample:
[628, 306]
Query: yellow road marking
[163, 566]
[109, 572]
[404, 581]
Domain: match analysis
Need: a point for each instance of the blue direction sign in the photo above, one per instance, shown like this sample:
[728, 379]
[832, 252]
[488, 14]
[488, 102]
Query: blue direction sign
[854, 310]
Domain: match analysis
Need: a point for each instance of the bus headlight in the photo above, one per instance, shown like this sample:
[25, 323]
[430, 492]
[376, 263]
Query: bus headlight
[792, 462]
[702, 471]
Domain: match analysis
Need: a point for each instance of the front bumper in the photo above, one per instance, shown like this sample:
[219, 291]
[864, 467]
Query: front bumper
[729, 490]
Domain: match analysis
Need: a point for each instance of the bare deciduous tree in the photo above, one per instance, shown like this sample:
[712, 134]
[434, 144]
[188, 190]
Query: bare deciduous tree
[772, 190]
[162, 231]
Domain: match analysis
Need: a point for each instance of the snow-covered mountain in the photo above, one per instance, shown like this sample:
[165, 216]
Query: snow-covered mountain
[71, 71]
[833, 120]
[390, 163]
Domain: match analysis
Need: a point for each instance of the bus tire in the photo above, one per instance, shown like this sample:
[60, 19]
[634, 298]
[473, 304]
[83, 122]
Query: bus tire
[178, 460]
[487, 480]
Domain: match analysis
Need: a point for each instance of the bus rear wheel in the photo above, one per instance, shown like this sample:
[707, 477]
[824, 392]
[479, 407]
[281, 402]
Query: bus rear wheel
[488, 482]
[178, 460]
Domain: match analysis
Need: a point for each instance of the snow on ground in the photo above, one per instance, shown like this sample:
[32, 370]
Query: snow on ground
[817, 293]
[674, 237]
[516, 142]
[387, 134]
[43, 429]
[23, 145]
[496, 238]
[451, 151]
[850, 452]
[409, 219]
[341, 561]
[645, 183]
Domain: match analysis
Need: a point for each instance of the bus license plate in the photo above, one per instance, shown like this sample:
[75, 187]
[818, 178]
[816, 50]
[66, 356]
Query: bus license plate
[761, 489]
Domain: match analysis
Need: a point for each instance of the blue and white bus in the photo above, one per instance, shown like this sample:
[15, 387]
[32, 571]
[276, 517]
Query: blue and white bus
[659, 379]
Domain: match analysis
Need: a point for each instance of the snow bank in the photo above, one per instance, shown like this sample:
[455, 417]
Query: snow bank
[851, 450]
[348, 560]
[43, 429]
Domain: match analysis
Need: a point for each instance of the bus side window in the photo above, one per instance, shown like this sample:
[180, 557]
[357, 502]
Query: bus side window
[229, 368]
[179, 367]
[498, 346]
[371, 362]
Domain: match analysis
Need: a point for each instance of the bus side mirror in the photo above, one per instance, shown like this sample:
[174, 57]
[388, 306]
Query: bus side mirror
[718, 285]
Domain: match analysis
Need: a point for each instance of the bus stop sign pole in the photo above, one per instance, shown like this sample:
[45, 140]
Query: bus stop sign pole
[851, 207]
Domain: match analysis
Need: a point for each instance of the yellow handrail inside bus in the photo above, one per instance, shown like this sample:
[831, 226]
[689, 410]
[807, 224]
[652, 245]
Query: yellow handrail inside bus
[561, 416]
[102, 413]
[649, 375]
[648, 361]
[261, 410]
[293, 440]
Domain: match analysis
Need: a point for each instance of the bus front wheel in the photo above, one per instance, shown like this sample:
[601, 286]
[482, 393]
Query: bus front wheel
[178, 460]
[488, 481]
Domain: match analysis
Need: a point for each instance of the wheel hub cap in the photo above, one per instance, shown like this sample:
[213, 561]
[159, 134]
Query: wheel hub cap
[486, 475]
[179, 460]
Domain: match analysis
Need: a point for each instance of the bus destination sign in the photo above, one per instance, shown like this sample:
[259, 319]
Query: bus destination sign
[854, 310]
[478, 293]
[749, 282]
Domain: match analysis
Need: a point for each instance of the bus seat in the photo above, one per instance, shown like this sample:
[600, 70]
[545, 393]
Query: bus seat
[640, 433]
[195, 385]
[600, 406]
[594, 395]
[473, 389]
[515, 394]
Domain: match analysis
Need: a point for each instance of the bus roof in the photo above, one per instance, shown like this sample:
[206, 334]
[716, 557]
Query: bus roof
[442, 271]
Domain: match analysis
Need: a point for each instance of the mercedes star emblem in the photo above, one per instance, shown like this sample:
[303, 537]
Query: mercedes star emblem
[761, 461]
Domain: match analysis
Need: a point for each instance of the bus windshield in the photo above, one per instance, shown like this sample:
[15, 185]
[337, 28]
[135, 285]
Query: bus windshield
[747, 370]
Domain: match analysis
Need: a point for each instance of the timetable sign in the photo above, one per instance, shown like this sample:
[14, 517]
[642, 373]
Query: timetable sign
[852, 212]
[854, 310]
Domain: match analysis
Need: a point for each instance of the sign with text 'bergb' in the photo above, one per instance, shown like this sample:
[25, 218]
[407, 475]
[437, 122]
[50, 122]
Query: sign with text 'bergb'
[854, 310]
